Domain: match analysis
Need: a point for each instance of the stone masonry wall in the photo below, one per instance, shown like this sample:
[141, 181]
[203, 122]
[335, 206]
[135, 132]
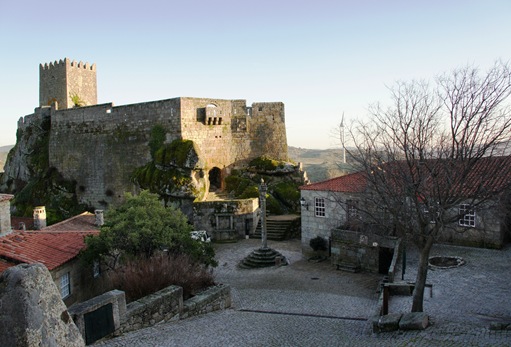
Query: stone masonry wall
[101, 146]
[164, 305]
[209, 127]
[313, 225]
[226, 220]
[267, 129]
[59, 80]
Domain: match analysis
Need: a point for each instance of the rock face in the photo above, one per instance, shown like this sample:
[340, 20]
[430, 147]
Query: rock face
[32, 311]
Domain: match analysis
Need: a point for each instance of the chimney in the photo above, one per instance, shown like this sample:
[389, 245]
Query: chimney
[39, 217]
[99, 218]
[5, 214]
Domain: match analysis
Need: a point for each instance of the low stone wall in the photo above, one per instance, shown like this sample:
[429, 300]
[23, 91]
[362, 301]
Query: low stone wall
[114, 297]
[213, 299]
[163, 306]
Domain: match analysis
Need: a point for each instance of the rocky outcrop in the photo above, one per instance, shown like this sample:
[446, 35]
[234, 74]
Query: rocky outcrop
[33, 313]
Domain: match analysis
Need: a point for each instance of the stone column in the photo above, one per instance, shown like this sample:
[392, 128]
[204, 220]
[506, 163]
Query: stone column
[263, 188]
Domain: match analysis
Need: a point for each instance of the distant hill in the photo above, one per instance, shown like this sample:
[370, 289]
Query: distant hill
[4, 150]
[320, 164]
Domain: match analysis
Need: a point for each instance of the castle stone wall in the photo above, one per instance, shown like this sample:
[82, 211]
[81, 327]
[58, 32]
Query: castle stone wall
[267, 129]
[101, 146]
[209, 127]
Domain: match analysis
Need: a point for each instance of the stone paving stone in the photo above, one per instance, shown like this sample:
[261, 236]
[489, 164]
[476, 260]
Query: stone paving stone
[306, 304]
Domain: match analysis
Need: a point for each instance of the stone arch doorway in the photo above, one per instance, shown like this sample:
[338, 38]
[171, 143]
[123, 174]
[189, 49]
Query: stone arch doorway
[215, 179]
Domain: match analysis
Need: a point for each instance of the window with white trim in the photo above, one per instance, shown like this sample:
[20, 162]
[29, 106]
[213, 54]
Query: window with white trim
[319, 207]
[96, 270]
[65, 285]
[467, 216]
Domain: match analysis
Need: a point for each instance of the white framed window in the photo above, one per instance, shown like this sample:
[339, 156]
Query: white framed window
[65, 285]
[467, 216]
[96, 270]
[319, 207]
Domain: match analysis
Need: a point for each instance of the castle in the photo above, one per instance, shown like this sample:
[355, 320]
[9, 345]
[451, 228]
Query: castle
[99, 146]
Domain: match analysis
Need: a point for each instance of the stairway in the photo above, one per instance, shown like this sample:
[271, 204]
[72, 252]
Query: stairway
[263, 257]
[276, 228]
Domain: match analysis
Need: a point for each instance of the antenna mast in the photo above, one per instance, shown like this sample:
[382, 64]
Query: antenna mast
[342, 139]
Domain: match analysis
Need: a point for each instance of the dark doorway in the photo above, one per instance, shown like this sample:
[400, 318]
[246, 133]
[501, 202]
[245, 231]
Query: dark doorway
[385, 259]
[215, 179]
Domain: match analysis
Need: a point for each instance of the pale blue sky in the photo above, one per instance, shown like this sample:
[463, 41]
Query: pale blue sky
[321, 58]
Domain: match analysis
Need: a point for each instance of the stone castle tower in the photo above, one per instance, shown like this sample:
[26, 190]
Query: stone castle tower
[68, 83]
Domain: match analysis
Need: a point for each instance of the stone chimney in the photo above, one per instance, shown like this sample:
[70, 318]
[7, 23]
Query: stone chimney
[5, 214]
[39, 217]
[99, 218]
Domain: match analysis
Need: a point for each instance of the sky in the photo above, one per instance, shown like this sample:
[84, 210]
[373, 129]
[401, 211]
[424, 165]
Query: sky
[321, 58]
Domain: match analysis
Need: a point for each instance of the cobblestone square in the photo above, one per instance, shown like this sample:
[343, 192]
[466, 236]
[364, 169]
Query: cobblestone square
[312, 304]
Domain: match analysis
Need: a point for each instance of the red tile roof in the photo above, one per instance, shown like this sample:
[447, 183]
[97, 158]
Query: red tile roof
[52, 246]
[490, 174]
[82, 222]
[352, 183]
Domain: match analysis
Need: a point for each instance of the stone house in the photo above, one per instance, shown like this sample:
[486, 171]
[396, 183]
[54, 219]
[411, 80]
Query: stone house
[336, 204]
[56, 247]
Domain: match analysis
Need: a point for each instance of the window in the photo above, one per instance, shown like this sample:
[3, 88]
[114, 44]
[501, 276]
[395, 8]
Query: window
[432, 213]
[96, 270]
[319, 207]
[65, 285]
[467, 216]
[352, 209]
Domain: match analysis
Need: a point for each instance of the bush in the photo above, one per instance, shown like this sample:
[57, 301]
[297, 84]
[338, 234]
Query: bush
[141, 277]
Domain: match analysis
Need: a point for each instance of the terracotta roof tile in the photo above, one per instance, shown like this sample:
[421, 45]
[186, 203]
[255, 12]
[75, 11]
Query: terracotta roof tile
[81, 222]
[352, 183]
[51, 248]
[491, 173]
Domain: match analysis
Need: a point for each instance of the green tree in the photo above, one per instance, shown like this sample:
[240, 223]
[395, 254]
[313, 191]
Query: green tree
[140, 227]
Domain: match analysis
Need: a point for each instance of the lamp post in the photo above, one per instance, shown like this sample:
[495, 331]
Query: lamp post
[263, 188]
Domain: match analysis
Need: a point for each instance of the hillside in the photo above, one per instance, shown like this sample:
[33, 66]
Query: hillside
[320, 164]
[4, 150]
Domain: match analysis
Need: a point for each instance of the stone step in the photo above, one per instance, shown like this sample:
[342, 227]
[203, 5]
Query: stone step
[275, 229]
[263, 257]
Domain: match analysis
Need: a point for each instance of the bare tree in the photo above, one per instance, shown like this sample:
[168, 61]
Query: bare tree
[434, 149]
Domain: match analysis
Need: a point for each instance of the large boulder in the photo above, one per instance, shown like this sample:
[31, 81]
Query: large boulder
[32, 312]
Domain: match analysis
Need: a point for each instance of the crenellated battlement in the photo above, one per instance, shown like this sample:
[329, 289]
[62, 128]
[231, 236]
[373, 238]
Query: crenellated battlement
[67, 62]
[67, 83]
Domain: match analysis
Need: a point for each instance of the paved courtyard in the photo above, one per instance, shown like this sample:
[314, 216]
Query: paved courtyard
[312, 304]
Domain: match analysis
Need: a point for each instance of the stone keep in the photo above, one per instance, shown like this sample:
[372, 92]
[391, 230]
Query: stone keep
[100, 146]
[65, 80]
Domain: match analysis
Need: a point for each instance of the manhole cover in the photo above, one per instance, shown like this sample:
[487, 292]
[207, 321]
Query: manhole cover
[445, 262]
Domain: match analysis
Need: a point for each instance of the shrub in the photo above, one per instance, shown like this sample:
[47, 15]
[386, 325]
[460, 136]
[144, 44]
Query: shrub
[141, 277]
